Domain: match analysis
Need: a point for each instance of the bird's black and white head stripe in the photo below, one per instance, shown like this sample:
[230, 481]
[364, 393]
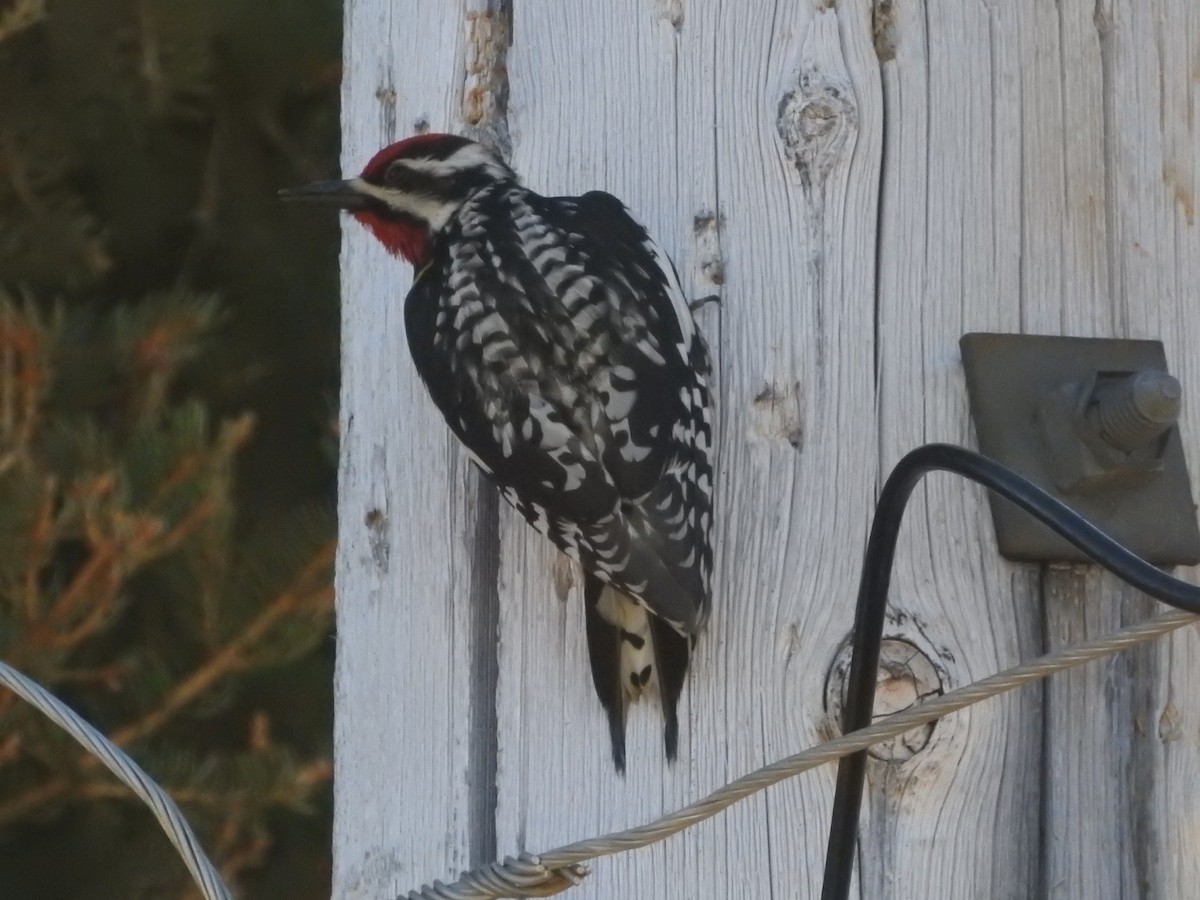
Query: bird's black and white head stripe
[430, 179]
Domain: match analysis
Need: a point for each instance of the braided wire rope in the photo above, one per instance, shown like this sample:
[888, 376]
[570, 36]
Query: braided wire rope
[118, 762]
[871, 608]
[859, 734]
[562, 867]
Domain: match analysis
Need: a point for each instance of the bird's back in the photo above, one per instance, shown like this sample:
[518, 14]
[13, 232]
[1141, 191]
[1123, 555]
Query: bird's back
[554, 337]
[546, 332]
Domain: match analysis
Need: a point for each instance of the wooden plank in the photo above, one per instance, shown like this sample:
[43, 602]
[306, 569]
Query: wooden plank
[961, 818]
[1039, 167]
[1121, 736]
[412, 601]
[1088, 716]
[1153, 90]
[675, 108]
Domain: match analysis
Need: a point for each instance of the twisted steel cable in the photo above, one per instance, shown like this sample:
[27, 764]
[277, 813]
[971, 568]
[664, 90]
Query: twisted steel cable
[867, 637]
[556, 871]
[871, 608]
[118, 762]
[562, 867]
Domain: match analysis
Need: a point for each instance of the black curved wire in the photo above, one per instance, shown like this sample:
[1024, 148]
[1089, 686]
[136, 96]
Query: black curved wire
[872, 604]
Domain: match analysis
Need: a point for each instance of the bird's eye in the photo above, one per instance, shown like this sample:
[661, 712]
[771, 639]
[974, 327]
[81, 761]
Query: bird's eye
[400, 176]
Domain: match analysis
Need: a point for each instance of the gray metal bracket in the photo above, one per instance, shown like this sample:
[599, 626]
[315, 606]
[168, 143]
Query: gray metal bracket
[1091, 421]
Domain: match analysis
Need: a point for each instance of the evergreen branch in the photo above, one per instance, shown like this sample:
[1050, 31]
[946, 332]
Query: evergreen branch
[21, 15]
[25, 373]
[204, 215]
[59, 789]
[97, 580]
[238, 854]
[46, 633]
[184, 528]
[234, 435]
[309, 589]
[306, 777]
[188, 467]
[40, 542]
[89, 625]
[103, 564]
[111, 676]
[151, 68]
[10, 747]
[34, 799]
[18, 176]
[32, 381]
[232, 657]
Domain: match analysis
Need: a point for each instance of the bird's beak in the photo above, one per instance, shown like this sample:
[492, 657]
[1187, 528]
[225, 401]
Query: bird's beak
[343, 194]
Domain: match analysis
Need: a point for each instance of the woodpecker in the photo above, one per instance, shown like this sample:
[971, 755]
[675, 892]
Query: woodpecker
[555, 339]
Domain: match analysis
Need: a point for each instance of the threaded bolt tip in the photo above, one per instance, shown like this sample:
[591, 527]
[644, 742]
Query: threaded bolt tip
[1157, 396]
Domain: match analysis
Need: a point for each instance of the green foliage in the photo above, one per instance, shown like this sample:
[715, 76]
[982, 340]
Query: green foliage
[168, 342]
[124, 583]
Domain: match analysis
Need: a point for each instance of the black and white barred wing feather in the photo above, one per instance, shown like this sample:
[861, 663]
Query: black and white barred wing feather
[563, 354]
[651, 368]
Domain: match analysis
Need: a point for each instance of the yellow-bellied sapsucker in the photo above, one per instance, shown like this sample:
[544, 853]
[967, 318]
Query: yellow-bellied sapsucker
[554, 337]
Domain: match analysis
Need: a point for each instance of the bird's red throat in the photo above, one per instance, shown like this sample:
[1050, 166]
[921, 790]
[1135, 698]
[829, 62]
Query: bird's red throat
[406, 239]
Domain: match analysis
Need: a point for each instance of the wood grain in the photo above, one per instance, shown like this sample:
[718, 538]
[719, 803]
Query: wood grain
[1121, 740]
[685, 124]
[860, 184]
[410, 558]
[961, 818]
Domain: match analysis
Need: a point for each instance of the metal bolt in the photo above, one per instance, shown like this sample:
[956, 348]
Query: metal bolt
[1137, 410]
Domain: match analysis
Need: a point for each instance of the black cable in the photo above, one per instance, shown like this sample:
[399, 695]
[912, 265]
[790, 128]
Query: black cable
[872, 605]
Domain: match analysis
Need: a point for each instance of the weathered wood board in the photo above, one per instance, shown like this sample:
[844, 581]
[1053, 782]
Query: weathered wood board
[860, 185]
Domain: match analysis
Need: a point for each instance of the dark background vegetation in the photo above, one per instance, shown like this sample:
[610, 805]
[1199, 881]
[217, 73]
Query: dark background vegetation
[141, 146]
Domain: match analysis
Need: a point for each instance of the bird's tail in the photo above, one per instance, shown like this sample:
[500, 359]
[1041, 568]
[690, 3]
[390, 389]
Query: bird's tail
[633, 652]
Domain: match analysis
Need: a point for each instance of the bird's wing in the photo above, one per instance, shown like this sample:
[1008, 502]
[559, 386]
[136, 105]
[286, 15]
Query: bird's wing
[560, 350]
[661, 396]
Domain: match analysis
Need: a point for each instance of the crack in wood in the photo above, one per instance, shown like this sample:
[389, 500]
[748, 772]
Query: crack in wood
[485, 83]
[670, 11]
[483, 747]
[706, 233]
[386, 95]
[378, 538]
[883, 30]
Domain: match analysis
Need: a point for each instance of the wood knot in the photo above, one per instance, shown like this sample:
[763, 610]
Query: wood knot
[485, 87]
[566, 574]
[386, 95]
[907, 675]
[377, 538]
[777, 414]
[706, 232]
[816, 120]
[883, 30]
[1170, 724]
[671, 12]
